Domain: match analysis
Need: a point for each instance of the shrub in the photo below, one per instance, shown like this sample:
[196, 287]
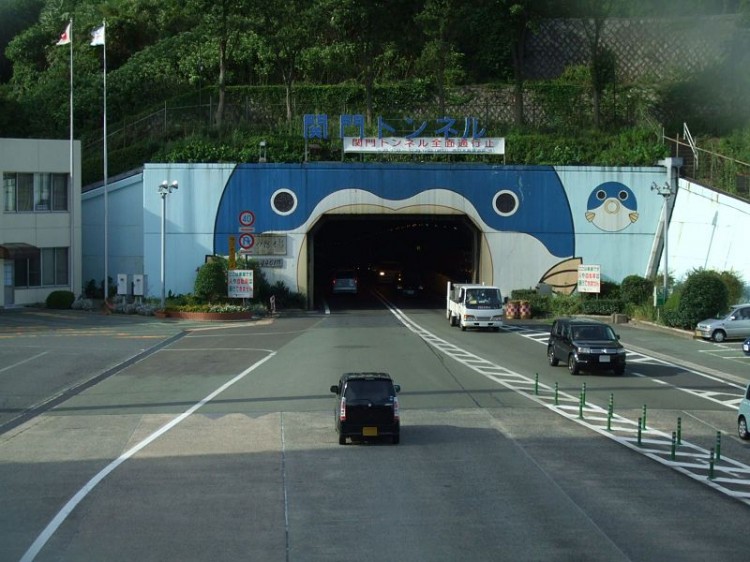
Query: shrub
[60, 299]
[211, 280]
[541, 305]
[735, 286]
[285, 298]
[603, 307]
[636, 290]
[703, 295]
[563, 305]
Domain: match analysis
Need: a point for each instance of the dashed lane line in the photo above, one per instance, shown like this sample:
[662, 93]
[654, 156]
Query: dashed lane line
[724, 474]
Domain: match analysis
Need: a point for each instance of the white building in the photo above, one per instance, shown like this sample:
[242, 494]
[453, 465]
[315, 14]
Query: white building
[40, 219]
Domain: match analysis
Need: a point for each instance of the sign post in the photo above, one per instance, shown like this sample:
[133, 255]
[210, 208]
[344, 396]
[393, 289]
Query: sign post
[240, 283]
[589, 278]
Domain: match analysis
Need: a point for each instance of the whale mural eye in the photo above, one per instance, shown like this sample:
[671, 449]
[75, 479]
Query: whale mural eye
[505, 203]
[283, 201]
[622, 195]
[601, 195]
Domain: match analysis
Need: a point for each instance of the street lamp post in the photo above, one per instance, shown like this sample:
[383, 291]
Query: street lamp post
[164, 189]
[666, 191]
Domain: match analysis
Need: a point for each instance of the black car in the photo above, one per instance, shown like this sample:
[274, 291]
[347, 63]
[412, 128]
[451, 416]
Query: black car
[366, 407]
[585, 345]
[746, 346]
[410, 284]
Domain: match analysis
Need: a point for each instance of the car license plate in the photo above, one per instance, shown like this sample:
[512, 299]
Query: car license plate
[698, 334]
[369, 432]
[604, 359]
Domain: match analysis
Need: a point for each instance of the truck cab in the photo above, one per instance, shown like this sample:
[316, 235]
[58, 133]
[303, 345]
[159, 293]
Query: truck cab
[474, 306]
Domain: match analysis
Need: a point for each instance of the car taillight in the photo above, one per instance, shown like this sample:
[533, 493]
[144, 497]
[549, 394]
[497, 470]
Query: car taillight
[342, 410]
[395, 409]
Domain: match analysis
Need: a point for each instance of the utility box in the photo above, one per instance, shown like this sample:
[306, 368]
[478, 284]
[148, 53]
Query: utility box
[139, 284]
[123, 287]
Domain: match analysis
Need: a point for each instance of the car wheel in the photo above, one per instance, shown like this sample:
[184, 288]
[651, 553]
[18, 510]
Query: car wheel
[342, 440]
[718, 336]
[554, 361]
[742, 428]
[573, 365]
[463, 326]
[396, 438]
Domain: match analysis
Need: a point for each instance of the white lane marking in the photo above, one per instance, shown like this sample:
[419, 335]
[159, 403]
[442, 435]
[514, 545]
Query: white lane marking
[68, 508]
[37, 356]
[719, 474]
[732, 401]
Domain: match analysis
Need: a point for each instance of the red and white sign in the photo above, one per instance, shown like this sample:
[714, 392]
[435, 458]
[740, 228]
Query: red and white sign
[432, 145]
[247, 240]
[247, 219]
[240, 284]
[589, 278]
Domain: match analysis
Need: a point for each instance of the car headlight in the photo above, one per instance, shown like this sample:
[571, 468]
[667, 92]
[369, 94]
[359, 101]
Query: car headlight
[585, 350]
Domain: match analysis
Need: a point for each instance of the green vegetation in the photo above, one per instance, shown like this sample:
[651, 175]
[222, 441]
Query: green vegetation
[211, 281]
[197, 80]
[211, 290]
[60, 300]
[703, 294]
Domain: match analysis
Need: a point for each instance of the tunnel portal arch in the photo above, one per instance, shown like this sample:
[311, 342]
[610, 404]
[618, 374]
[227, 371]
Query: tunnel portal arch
[439, 246]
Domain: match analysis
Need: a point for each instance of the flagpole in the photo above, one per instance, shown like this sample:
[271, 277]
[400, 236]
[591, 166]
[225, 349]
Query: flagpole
[71, 102]
[106, 209]
[71, 188]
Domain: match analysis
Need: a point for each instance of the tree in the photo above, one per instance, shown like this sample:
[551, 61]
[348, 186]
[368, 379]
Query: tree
[222, 22]
[211, 280]
[439, 57]
[505, 27]
[284, 34]
[358, 39]
[15, 16]
[593, 16]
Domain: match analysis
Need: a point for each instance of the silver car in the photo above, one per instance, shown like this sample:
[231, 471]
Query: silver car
[735, 325]
[743, 415]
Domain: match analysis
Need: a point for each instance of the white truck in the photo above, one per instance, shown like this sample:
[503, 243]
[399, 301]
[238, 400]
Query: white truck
[474, 306]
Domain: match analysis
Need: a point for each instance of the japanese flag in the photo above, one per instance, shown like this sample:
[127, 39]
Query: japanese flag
[97, 36]
[65, 36]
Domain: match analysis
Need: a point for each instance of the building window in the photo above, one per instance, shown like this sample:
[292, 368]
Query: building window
[9, 192]
[25, 192]
[35, 192]
[59, 192]
[50, 269]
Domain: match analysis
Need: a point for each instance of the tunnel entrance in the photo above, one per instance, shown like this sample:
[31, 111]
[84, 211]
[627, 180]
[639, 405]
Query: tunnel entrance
[432, 245]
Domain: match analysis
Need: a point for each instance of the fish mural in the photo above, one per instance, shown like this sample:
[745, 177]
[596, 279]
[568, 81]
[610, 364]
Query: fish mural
[517, 207]
[612, 207]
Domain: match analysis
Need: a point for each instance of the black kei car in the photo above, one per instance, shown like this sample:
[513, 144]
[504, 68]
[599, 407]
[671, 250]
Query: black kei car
[585, 345]
[366, 407]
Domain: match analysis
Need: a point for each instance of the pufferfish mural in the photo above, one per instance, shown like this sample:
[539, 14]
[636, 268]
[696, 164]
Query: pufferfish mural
[612, 207]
